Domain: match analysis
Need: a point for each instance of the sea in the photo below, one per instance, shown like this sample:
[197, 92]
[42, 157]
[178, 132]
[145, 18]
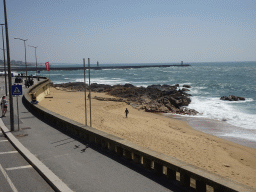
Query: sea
[208, 80]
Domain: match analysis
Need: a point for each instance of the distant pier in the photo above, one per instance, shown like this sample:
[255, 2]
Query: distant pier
[93, 68]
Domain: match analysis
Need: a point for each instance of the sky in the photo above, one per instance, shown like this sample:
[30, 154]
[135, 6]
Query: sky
[132, 31]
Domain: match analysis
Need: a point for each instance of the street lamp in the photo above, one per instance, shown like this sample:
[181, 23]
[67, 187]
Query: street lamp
[35, 56]
[24, 40]
[9, 68]
[5, 82]
[4, 61]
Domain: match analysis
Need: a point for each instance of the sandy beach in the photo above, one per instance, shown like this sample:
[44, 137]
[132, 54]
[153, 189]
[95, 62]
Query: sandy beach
[160, 133]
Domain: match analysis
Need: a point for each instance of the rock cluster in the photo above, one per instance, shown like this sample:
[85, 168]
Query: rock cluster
[154, 98]
[232, 98]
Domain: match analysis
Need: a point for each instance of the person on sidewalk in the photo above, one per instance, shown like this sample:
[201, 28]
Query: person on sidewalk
[3, 106]
[34, 101]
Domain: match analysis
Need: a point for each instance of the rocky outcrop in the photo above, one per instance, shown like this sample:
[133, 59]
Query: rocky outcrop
[187, 86]
[232, 98]
[109, 99]
[154, 106]
[154, 98]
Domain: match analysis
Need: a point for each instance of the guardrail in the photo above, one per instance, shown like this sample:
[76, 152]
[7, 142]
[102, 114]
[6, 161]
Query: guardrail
[161, 164]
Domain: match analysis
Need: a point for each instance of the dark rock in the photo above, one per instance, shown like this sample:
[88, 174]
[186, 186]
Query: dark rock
[232, 98]
[187, 86]
[224, 98]
[128, 85]
[154, 98]
[109, 99]
[161, 87]
[186, 111]
[154, 87]
[171, 108]
[154, 106]
[241, 98]
[185, 101]
[183, 89]
[175, 102]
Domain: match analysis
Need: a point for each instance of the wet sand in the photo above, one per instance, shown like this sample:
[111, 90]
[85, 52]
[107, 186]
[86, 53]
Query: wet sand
[170, 136]
[220, 129]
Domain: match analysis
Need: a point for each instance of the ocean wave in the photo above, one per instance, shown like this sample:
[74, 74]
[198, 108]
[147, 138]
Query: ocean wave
[52, 74]
[14, 73]
[198, 90]
[188, 83]
[240, 101]
[214, 108]
[103, 81]
[59, 82]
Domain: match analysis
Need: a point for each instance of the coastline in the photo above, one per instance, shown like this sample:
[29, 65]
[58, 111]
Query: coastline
[217, 128]
[170, 136]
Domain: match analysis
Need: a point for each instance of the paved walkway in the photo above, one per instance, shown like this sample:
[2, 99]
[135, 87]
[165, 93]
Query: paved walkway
[89, 170]
[15, 172]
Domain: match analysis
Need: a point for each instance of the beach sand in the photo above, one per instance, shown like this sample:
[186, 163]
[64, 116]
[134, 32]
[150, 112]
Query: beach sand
[160, 133]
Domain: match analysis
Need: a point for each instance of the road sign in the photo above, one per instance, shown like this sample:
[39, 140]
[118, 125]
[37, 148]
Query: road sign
[16, 89]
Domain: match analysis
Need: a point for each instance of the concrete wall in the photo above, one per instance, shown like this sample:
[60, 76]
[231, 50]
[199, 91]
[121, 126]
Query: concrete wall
[160, 164]
[40, 90]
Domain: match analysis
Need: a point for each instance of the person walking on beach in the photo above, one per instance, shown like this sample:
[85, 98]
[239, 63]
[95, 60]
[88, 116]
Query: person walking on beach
[126, 112]
[4, 106]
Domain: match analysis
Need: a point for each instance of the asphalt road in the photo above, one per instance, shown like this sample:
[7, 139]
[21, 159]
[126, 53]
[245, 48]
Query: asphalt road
[15, 173]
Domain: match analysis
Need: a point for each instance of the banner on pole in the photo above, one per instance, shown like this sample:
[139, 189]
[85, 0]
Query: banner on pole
[47, 65]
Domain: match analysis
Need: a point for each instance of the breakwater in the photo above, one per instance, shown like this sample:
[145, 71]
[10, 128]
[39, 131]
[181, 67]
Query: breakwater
[93, 68]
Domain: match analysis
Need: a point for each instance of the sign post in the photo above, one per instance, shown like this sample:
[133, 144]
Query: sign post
[85, 95]
[18, 112]
[17, 90]
[90, 97]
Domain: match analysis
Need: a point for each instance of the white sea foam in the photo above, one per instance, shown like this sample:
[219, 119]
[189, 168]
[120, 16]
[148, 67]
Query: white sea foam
[113, 81]
[59, 82]
[214, 108]
[181, 84]
[241, 101]
[51, 74]
[196, 90]
[14, 73]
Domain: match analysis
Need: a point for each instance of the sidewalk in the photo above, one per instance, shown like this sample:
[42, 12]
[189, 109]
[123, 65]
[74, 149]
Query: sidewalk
[82, 170]
[15, 172]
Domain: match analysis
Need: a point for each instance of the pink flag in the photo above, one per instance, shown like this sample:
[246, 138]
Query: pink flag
[47, 66]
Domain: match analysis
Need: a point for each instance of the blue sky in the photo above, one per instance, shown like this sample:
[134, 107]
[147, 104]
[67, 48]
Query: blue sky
[132, 31]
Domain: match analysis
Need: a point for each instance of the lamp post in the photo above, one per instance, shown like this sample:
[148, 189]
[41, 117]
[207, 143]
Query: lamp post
[35, 56]
[24, 40]
[5, 82]
[9, 68]
[4, 61]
